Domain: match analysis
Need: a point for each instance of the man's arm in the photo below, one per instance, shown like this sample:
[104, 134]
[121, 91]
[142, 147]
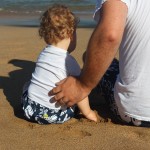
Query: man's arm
[101, 50]
[104, 42]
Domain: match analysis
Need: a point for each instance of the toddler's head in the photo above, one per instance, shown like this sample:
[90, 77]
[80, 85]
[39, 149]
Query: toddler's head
[57, 23]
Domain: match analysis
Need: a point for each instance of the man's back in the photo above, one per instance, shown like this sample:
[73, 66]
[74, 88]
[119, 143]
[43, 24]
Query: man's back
[133, 84]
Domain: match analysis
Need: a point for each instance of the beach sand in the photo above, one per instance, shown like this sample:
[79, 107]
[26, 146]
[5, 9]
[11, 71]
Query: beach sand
[19, 48]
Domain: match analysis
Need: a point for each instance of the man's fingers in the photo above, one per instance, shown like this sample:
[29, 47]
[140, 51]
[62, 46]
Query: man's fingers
[57, 89]
[65, 101]
[54, 91]
[58, 96]
[69, 104]
[62, 81]
[61, 102]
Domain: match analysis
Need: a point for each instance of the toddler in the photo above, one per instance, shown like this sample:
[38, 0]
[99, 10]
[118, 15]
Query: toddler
[58, 28]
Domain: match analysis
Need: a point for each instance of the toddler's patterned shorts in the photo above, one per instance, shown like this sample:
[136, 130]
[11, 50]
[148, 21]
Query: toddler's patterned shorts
[43, 115]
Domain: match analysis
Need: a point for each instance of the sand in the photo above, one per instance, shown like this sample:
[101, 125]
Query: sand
[19, 48]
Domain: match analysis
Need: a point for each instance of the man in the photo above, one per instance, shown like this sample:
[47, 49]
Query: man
[123, 25]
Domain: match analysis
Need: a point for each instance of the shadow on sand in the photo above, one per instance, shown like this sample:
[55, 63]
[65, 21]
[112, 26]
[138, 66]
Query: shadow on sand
[12, 85]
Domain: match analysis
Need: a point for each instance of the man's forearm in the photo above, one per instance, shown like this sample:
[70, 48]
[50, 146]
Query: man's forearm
[100, 53]
[104, 42]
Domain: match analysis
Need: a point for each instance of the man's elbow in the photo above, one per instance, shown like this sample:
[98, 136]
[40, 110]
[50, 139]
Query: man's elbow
[113, 37]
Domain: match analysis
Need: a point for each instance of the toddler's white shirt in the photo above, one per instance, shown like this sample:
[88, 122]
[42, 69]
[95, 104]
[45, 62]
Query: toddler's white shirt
[53, 65]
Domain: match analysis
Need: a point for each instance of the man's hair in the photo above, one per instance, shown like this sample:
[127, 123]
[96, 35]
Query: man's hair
[57, 23]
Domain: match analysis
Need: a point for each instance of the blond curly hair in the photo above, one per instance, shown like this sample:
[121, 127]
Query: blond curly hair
[57, 23]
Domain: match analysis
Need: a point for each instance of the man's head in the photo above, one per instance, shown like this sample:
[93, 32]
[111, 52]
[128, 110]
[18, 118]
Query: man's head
[57, 23]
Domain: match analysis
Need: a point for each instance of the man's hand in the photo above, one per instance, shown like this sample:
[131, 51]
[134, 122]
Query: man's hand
[69, 91]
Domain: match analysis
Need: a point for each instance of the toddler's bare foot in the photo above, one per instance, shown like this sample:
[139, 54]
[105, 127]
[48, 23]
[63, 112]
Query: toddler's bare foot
[92, 116]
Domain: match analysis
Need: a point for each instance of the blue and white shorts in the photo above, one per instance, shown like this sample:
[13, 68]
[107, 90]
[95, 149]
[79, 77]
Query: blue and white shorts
[43, 115]
[106, 88]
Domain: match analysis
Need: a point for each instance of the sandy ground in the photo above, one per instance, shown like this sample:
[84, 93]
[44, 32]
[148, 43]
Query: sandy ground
[19, 48]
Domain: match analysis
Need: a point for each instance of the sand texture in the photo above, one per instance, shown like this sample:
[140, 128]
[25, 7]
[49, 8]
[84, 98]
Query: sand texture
[19, 48]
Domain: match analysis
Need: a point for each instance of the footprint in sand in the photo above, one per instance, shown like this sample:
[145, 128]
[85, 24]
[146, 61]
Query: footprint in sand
[68, 131]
